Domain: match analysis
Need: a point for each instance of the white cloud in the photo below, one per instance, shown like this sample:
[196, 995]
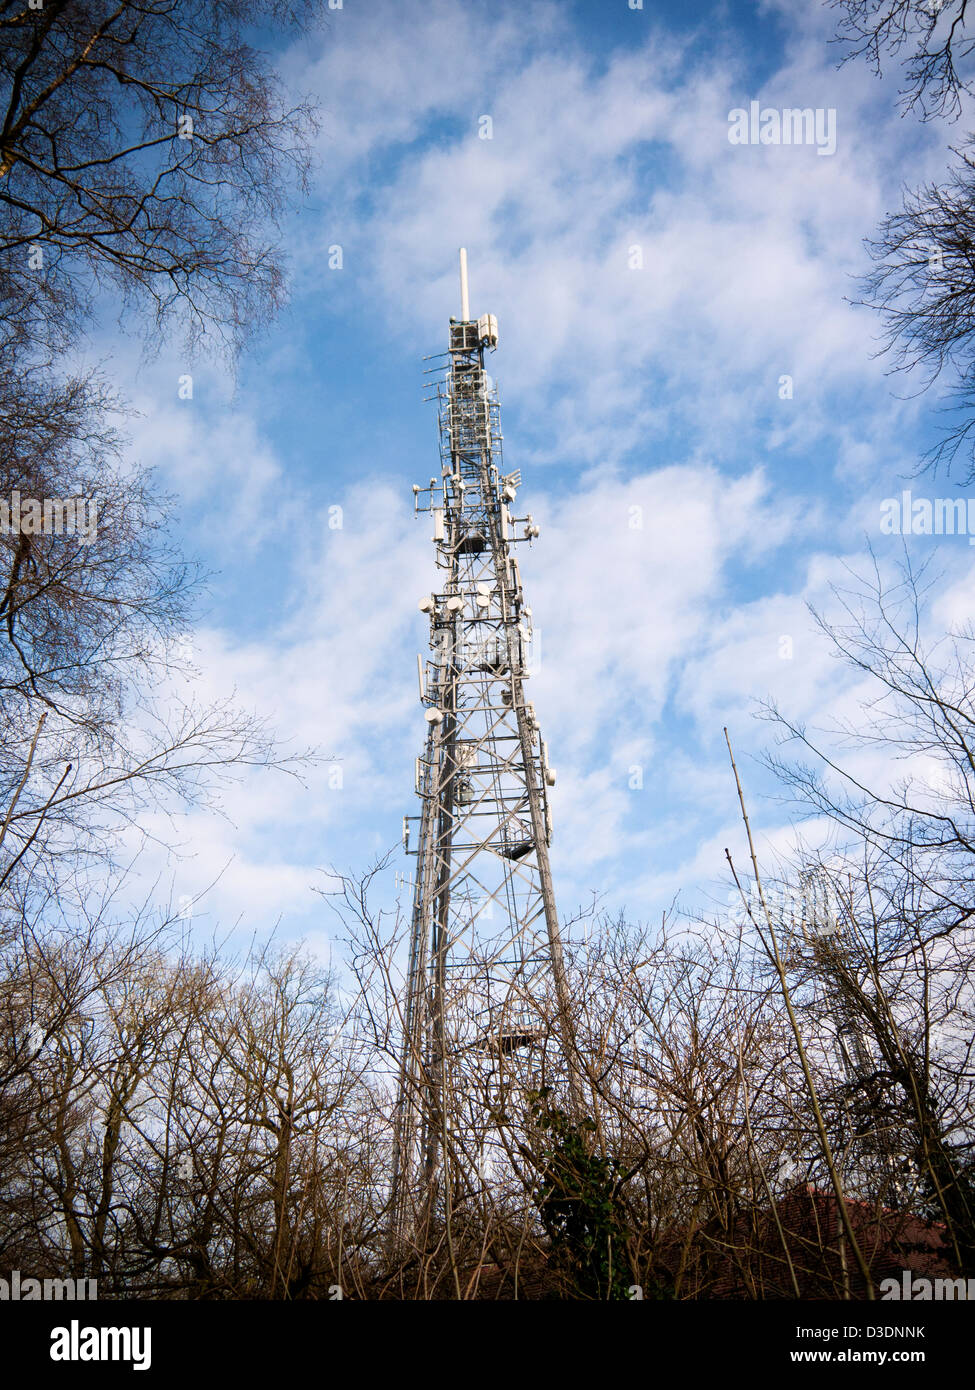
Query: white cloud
[660, 385]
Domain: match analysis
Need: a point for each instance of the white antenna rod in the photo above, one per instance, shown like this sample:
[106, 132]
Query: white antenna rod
[465, 303]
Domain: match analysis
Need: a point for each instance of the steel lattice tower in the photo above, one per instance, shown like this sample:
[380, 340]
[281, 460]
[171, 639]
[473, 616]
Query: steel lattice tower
[485, 953]
[868, 1148]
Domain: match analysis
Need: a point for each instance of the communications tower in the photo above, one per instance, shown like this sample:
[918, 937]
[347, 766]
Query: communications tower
[868, 1139]
[486, 987]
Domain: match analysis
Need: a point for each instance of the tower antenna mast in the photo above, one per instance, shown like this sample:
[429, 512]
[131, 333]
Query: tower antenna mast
[486, 995]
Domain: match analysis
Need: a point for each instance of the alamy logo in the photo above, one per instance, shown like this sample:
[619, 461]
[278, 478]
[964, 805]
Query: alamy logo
[927, 1290]
[76, 1343]
[808, 911]
[926, 516]
[52, 516]
[19, 1290]
[792, 125]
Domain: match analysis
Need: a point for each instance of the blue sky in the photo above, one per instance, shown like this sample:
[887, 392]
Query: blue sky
[622, 388]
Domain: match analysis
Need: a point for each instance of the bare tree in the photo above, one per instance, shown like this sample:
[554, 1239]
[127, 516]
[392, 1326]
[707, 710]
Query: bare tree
[929, 38]
[899, 972]
[923, 277]
[923, 285]
[144, 144]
